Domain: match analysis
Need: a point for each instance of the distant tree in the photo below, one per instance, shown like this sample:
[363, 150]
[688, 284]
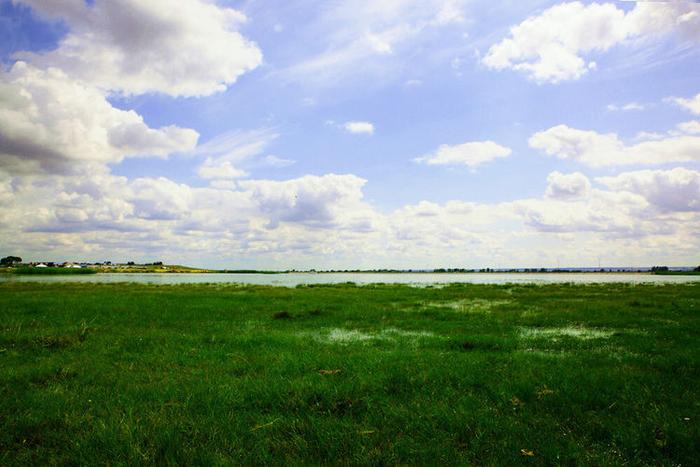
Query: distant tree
[10, 260]
[130, 263]
[659, 269]
[697, 269]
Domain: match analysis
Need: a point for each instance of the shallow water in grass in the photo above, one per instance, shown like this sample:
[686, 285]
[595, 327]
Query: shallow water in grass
[294, 279]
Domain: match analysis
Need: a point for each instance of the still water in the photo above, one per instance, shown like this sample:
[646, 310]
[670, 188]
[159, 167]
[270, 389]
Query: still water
[294, 279]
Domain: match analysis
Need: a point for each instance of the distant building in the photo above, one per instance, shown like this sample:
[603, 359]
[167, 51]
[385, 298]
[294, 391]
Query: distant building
[41, 265]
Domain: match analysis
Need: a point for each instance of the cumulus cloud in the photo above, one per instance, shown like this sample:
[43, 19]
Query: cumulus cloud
[691, 104]
[359, 128]
[599, 150]
[471, 154]
[49, 122]
[159, 198]
[55, 115]
[553, 46]
[567, 186]
[618, 214]
[110, 203]
[310, 200]
[314, 221]
[136, 47]
[670, 190]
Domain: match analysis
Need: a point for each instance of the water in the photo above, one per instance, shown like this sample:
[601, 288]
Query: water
[294, 279]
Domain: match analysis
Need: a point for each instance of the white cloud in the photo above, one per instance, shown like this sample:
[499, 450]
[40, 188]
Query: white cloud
[7, 193]
[626, 107]
[237, 145]
[226, 153]
[655, 17]
[471, 154]
[451, 11]
[324, 221]
[55, 115]
[670, 190]
[371, 33]
[599, 150]
[49, 122]
[137, 47]
[603, 212]
[160, 199]
[553, 46]
[567, 186]
[649, 136]
[219, 170]
[691, 127]
[278, 162]
[310, 200]
[359, 128]
[691, 104]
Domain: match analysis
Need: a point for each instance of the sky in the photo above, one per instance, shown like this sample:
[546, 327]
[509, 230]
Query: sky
[351, 134]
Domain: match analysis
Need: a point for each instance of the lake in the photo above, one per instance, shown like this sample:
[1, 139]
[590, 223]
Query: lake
[294, 279]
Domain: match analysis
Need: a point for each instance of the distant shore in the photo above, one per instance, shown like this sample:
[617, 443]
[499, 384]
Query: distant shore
[174, 269]
[159, 268]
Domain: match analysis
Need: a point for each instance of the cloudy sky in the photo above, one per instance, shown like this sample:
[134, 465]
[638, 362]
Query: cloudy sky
[358, 133]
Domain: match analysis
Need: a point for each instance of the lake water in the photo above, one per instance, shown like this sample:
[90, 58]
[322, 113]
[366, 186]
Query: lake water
[294, 279]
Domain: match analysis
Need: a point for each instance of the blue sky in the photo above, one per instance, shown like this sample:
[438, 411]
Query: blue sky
[393, 133]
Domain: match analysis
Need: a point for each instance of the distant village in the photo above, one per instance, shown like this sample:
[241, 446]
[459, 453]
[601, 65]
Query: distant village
[102, 265]
[15, 261]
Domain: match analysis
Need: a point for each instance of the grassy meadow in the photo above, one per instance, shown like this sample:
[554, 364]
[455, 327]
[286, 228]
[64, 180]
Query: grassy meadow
[386, 374]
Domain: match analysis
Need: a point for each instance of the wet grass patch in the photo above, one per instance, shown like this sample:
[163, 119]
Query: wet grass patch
[345, 336]
[574, 332]
[469, 305]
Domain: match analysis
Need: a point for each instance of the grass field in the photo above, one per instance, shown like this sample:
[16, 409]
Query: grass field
[465, 374]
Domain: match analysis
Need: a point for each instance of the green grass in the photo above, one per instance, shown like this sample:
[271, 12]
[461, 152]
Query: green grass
[465, 374]
[52, 271]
